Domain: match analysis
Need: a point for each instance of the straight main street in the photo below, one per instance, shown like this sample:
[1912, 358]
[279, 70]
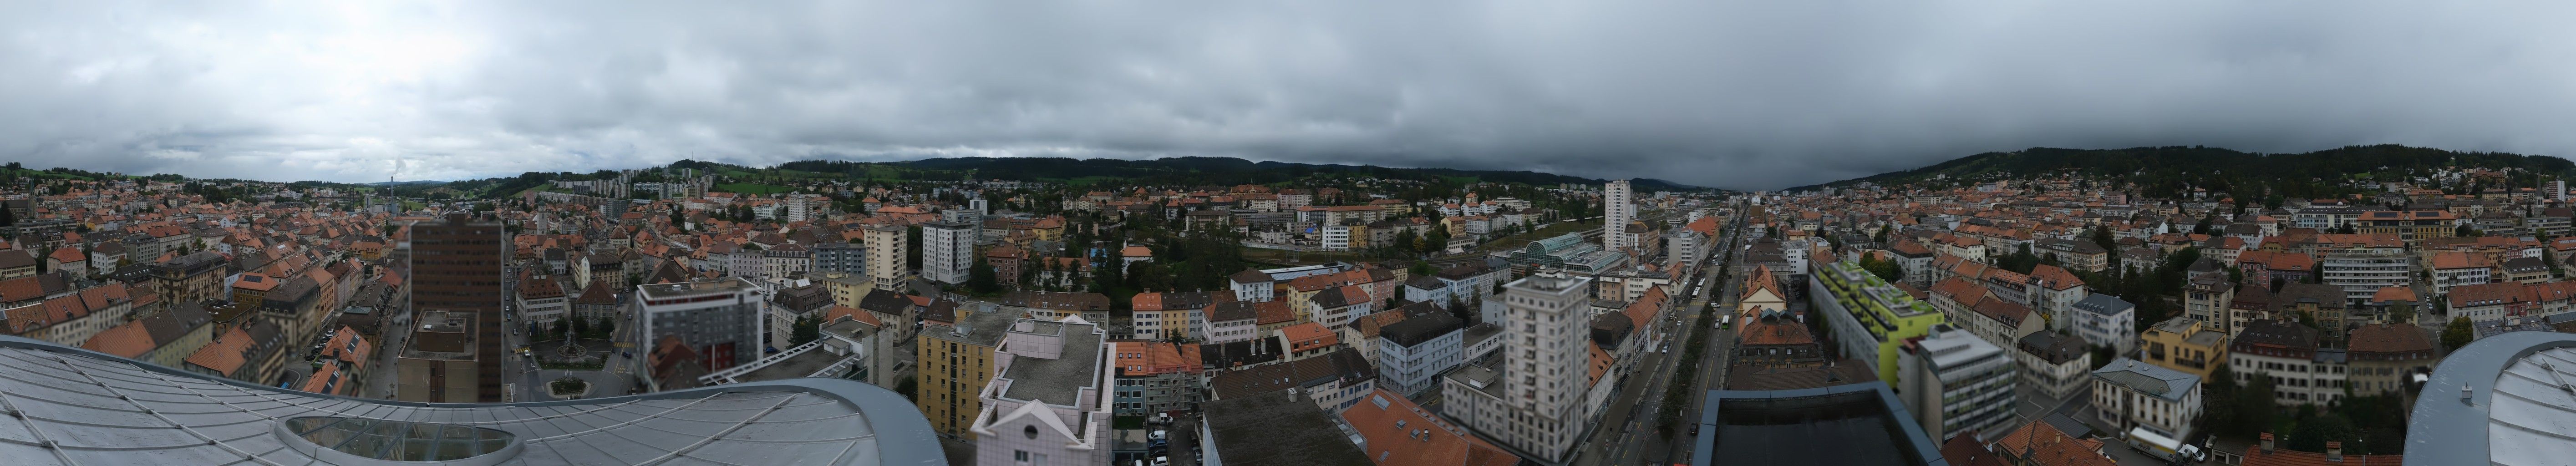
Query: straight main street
[1628, 432]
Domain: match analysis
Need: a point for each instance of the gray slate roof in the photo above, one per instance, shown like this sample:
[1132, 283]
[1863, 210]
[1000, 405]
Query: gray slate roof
[2148, 378]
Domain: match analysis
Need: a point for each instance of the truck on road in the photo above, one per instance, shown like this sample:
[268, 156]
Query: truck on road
[2170, 450]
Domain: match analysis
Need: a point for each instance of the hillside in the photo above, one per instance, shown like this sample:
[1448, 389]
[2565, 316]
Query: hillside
[2171, 170]
[1173, 171]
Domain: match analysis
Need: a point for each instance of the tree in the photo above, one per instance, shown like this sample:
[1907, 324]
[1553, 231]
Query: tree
[2466, 231]
[2255, 408]
[2311, 434]
[1884, 269]
[2459, 333]
[912, 245]
[805, 330]
[982, 279]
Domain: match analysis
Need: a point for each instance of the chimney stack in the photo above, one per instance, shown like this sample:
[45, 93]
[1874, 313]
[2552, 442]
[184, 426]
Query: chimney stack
[2334, 451]
[2267, 443]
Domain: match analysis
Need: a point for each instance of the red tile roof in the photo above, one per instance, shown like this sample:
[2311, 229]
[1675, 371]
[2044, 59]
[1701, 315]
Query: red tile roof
[1403, 434]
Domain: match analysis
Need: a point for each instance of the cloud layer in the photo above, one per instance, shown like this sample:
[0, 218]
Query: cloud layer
[1749, 95]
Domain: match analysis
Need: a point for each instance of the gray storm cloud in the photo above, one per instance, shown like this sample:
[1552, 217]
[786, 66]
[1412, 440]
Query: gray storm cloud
[1748, 95]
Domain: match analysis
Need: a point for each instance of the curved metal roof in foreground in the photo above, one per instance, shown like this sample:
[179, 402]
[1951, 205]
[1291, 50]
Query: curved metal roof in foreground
[2519, 409]
[69, 406]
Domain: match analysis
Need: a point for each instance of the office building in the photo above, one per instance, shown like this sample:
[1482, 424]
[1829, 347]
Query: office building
[456, 268]
[720, 318]
[439, 363]
[1870, 318]
[1955, 382]
[947, 251]
[2360, 272]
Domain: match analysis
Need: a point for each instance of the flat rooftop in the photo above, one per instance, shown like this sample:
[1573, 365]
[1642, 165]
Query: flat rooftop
[445, 335]
[725, 285]
[1057, 381]
[1277, 428]
[797, 366]
[1862, 421]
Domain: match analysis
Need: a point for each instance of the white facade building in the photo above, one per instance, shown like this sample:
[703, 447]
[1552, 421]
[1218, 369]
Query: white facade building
[1617, 209]
[1049, 401]
[1955, 382]
[2104, 320]
[1534, 402]
[1412, 354]
[947, 251]
[2129, 394]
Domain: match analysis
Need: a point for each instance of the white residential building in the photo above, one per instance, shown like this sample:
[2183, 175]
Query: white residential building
[1533, 402]
[1618, 207]
[1955, 382]
[947, 251]
[1413, 353]
[1049, 401]
[1336, 237]
[2105, 320]
[2128, 393]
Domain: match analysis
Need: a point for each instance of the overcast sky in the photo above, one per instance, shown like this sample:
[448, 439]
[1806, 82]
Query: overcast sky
[1747, 95]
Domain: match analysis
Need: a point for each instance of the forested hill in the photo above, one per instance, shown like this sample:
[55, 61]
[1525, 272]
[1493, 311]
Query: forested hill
[1192, 170]
[2163, 171]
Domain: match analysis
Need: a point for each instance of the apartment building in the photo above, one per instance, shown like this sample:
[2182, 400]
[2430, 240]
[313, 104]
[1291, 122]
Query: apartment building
[2186, 345]
[2128, 394]
[1533, 402]
[887, 265]
[1411, 354]
[954, 362]
[721, 319]
[2206, 298]
[2382, 357]
[2287, 354]
[2455, 268]
[947, 251]
[1955, 382]
[2105, 320]
[1049, 400]
[2056, 365]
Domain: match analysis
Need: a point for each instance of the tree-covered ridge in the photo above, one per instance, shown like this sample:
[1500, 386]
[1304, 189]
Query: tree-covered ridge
[2175, 170]
[1220, 171]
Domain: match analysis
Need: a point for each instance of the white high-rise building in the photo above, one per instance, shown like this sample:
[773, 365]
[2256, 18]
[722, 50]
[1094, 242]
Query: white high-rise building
[947, 251]
[1617, 209]
[1534, 402]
